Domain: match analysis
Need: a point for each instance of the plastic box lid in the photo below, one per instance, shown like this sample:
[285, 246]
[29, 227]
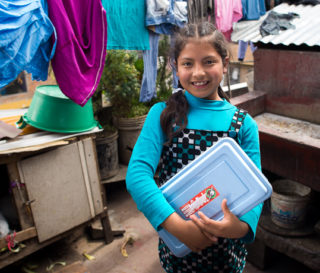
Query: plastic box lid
[223, 171]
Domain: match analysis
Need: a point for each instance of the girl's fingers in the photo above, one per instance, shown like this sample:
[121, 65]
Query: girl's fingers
[211, 237]
[204, 223]
[209, 224]
[224, 207]
[203, 217]
[204, 228]
[197, 221]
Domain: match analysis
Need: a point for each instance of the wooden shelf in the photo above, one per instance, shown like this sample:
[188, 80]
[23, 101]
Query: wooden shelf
[21, 236]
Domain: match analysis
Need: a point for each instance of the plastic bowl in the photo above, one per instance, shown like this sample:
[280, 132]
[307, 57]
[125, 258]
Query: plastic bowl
[51, 110]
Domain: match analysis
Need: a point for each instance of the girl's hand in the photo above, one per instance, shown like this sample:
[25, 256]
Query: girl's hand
[194, 238]
[229, 227]
[187, 232]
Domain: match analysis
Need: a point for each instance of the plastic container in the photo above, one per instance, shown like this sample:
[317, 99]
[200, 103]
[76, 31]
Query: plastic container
[51, 110]
[289, 203]
[223, 171]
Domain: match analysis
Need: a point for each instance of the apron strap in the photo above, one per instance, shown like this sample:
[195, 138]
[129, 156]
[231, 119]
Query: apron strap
[236, 123]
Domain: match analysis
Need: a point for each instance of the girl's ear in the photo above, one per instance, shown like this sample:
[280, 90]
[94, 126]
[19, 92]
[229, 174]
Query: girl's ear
[225, 65]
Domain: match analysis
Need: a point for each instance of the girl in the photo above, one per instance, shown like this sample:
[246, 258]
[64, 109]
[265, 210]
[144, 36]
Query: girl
[178, 131]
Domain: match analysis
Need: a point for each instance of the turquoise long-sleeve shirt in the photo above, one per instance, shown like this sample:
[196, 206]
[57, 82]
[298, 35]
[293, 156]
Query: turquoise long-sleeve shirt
[203, 115]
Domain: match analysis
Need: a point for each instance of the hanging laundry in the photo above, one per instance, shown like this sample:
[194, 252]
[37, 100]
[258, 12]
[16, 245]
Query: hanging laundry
[253, 9]
[201, 11]
[242, 48]
[161, 18]
[81, 48]
[163, 15]
[276, 22]
[126, 28]
[227, 13]
[25, 31]
[149, 78]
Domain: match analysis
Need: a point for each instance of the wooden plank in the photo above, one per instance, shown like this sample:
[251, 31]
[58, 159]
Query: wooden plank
[86, 177]
[93, 174]
[20, 196]
[97, 189]
[32, 245]
[21, 236]
[106, 226]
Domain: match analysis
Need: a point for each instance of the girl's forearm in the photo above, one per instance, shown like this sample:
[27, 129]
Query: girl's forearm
[243, 229]
[173, 224]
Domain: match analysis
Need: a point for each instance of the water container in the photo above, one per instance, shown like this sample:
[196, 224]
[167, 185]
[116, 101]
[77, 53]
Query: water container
[223, 171]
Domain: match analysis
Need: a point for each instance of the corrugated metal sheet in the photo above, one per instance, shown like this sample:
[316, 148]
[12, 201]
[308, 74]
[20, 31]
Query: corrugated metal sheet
[307, 27]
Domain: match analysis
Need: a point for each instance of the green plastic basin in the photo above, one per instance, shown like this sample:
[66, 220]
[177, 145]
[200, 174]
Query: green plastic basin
[51, 110]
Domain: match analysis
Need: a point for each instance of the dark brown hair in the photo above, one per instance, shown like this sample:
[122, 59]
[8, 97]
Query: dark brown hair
[175, 113]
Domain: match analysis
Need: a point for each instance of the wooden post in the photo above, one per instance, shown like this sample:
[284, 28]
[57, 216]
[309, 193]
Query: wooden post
[107, 231]
[20, 196]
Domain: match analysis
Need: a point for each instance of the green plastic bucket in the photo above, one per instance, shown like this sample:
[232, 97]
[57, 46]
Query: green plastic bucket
[51, 110]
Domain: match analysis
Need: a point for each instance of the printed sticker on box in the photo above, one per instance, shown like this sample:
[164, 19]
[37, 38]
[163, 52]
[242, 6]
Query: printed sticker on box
[200, 200]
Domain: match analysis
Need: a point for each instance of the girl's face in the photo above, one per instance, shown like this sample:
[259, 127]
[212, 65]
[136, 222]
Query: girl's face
[200, 69]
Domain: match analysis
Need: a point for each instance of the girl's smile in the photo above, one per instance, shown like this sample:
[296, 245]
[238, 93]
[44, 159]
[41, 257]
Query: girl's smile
[200, 69]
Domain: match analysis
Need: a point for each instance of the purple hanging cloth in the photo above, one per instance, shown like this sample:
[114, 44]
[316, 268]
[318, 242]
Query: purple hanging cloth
[79, 59]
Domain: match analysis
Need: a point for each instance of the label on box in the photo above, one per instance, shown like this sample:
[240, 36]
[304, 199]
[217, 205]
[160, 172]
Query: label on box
[200, 200]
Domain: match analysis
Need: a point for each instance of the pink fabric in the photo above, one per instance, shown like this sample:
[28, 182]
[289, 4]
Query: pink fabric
[79, 59]
[226, 13]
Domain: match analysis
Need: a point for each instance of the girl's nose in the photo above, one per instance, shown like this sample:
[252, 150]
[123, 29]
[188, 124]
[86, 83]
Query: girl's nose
[198, 70]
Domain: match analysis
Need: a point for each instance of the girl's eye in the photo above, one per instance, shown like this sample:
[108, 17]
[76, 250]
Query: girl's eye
[209, 62]
[187, 64]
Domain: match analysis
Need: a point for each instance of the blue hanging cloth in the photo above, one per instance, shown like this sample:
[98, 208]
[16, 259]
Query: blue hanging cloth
[253, 9]
[25, 31]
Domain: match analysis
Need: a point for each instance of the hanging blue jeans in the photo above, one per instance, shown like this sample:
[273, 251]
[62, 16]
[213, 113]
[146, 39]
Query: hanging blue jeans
[149, 79]
[242, 48]
[175, 82]
[164, 16]
[148, 85]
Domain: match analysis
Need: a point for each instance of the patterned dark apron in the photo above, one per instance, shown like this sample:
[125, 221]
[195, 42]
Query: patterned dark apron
[229, 255]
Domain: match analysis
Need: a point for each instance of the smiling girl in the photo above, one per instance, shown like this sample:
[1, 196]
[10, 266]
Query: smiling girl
[178, 131]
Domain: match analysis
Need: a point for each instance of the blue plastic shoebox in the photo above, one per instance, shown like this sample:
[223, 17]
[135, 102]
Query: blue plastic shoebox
[223, 171]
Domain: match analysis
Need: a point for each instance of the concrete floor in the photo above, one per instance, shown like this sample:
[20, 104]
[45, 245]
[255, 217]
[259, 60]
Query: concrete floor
[142, 253]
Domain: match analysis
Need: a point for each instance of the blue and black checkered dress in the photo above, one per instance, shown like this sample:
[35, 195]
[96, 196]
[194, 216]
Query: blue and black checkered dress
[229, 255]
